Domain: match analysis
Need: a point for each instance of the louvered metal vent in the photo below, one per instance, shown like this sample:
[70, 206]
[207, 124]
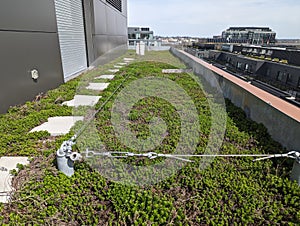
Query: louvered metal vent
[69, 16]
[116, 4]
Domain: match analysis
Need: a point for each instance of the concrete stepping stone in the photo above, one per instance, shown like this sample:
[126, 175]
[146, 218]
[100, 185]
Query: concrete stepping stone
[98, 86]
[118, 66]
[123, 64]
[82, 100]
[129, 59]
[58, 126]
[175, 71]
[114, 70]
[6, 165]
[105, 77]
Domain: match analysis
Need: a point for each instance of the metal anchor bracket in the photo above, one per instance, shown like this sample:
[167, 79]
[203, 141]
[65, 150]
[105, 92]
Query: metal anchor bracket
[292, 154]
[65, 157]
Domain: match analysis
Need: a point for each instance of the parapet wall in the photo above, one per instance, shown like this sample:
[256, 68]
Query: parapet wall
[281, 118]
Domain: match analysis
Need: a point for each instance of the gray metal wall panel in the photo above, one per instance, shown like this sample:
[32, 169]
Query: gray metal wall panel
[88, 7]
[101, 44]
[20, 53]
[125, 9]
[100, 18]
[110, 29]
[108, 20]
[28, 15]
[111, 21]
[105, 43]
[123, 26]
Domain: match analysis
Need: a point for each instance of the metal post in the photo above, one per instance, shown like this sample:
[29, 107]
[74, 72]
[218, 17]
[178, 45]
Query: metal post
[64, 163]
[295, 175]
[65, 158]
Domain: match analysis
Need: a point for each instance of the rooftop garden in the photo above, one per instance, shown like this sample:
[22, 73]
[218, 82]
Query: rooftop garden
[235, 191]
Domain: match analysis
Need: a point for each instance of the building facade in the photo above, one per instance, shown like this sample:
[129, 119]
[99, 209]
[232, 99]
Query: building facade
[285, 77]
[141, 34]
[251, 35]
[46, 42]
[276, 54]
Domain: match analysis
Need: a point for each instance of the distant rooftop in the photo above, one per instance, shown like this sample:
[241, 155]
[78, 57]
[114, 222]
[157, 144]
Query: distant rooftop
[250, 28]
[250, 35]
[139, 30]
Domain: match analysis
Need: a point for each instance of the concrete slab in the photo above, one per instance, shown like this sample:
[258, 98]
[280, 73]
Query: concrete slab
[105, 77]
[7, 164]
[82, 100]
[176, 71]
[98, 86]
[123, 64]
[57, 126]
[114, 70]
[129, 59]
[118, 66]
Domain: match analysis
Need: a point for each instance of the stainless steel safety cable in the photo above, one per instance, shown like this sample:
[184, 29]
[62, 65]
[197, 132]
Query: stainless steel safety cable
[67, 145]
[152, 155]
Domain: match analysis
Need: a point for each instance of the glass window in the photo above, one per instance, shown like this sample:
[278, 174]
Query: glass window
[239, 65]
[289, 78]
[279, 76]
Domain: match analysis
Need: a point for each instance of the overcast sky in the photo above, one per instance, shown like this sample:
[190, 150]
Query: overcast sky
[205, 18]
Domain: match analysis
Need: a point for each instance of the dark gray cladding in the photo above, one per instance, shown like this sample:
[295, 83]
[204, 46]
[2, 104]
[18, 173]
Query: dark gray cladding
[106, 29]
[29, 15]
[29, 40]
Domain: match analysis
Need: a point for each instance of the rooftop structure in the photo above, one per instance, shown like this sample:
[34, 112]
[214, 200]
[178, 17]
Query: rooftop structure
[144, 34]
[276, 54]
[278, 67]
[252, 35]
[140, 33]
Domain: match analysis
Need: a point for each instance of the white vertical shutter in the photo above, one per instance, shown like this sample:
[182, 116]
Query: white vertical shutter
[69, 16]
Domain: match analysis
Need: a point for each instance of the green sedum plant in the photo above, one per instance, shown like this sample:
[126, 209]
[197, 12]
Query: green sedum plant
[229, 191]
